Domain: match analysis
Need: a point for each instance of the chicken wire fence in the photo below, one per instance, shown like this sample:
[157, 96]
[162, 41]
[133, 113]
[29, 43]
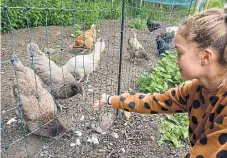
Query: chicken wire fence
[113, 74]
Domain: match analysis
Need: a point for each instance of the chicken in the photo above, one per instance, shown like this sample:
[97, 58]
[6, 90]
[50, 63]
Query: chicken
[172, 29]
[162, 46]
[86, 39]
[63, 83]
[136, 49]
[85, 64]
[151, 25]
[141, 54]
[38, 107]
[167, 36]
[134, 43]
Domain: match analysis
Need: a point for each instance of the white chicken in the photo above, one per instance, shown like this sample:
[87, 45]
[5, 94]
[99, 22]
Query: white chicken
[172, 29]
[85, 64]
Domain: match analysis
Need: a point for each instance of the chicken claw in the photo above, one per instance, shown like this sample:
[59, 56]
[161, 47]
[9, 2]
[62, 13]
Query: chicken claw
[61, 107]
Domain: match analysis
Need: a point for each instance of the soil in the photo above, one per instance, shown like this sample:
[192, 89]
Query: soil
[138, 136]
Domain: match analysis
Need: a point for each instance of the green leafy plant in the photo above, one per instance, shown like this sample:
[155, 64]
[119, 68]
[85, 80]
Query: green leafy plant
[54, 58]
[77, 30]
[158, 12]
[174, 128]
[216, 3]
[82, 12]
[137, 23]
[165, 75]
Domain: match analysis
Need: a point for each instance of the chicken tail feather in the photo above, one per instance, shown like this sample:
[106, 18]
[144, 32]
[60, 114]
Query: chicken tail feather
[33, 49]
[54, 128]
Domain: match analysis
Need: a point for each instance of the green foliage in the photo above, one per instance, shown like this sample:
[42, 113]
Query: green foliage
[77, 30]
[138, 23]
[83, 12]
[216, 3]
[54, 58]
[158, 12]
[174, 129]
[165, 75]
[87, 12]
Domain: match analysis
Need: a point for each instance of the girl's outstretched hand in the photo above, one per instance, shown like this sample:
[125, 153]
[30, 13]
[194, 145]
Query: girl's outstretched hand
[100, 103]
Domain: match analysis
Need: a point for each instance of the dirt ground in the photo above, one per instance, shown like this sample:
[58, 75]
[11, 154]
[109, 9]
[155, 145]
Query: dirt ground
[138, 136]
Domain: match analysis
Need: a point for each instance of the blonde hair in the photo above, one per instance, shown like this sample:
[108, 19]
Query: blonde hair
[209, 30]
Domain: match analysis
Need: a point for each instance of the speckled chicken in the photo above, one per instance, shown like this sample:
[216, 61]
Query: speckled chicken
[37, 104]
[63, 82]
[136, 49]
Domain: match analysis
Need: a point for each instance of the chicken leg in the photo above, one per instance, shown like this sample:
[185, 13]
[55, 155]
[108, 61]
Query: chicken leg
[82, 79]
[87, 78]
[61, 107]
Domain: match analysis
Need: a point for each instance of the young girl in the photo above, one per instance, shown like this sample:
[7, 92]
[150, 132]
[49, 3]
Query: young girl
[201, 43]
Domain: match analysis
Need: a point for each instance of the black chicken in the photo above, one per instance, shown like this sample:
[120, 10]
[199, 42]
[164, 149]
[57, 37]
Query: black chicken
[167, 36]
[151, 25]
[162, 46]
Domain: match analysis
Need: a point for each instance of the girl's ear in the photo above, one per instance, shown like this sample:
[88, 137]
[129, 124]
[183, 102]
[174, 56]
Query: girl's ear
[206, 56]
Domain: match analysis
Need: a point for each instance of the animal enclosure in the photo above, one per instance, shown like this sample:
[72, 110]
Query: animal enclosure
[54, 28]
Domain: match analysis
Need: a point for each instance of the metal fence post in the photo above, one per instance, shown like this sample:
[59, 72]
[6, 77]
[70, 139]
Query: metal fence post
[121, 48]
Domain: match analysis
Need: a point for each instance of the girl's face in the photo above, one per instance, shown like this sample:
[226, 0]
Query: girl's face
[188, 59]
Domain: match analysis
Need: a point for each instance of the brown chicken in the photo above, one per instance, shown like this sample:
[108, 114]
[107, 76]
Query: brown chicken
[38, 107]
[136, 49]
[86, 39]
[63, 83]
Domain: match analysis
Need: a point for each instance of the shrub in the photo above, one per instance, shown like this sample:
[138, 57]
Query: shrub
[165, 75]
[137, 23]
[85, 13]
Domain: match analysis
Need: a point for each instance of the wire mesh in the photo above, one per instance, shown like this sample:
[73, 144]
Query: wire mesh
[113, 74]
